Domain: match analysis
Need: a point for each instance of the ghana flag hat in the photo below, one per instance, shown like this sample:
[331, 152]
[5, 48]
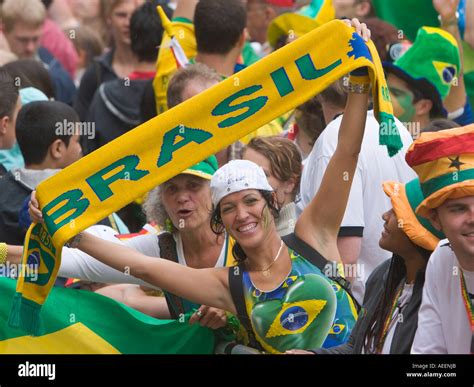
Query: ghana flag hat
[430, 64]
[444, 163]
[204, 169]
[405, 199]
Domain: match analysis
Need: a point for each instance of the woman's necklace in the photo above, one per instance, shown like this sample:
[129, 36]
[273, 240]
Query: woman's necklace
[266, 271]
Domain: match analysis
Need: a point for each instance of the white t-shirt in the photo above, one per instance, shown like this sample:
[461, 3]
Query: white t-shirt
[443, 323]
[367, 201]
[77, 264]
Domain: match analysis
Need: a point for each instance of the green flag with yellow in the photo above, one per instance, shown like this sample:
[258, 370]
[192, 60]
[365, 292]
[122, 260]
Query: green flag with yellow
[82, 322]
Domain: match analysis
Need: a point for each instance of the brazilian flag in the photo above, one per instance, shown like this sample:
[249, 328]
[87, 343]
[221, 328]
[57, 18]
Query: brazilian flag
[82, 322]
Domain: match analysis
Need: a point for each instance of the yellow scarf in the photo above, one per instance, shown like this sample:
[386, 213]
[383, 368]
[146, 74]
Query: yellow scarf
[128, 167]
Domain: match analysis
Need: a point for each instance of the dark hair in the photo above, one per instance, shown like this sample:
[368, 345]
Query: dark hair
[31, 73]
[217, 226]
[396, 274]
[197, 72]
[440, 124]
[334, 94]
[37, 128]
[146, 32]
[310, 118]
[219, 24]
[8, 94]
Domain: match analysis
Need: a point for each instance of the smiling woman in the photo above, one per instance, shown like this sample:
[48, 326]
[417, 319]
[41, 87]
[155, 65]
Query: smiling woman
[297, 305]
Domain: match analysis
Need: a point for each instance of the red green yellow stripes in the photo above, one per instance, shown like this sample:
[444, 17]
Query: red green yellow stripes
[444, 165]
[427, 149]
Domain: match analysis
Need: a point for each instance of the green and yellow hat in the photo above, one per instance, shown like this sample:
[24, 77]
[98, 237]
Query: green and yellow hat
[405, 199]
[431, 64]
[204, 169]
[444, 162]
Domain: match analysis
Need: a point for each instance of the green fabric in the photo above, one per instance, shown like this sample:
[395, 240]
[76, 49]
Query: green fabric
[311, 10]
[126, 329]
[207, 167]
[415, 197]
[431, 186]
[407, 15]
[249, 55]
[432, 57]
[468, 53]
[182, 20]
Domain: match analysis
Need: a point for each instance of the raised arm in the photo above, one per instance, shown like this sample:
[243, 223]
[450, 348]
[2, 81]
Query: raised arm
[202, 286]
[319, 223]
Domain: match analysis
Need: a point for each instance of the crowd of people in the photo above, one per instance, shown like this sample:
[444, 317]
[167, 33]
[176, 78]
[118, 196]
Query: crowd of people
[306, 229]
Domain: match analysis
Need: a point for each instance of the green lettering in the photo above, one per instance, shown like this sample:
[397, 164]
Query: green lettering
[187, 135]
[127, 171]
[71, 200]
[309, 72]
[282, 82]
[252, 106]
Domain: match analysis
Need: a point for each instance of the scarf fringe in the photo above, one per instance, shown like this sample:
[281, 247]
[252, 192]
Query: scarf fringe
[25, 315]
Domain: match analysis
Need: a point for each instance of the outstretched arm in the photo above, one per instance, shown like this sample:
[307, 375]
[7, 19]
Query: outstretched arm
[319, 223]
[202, 286]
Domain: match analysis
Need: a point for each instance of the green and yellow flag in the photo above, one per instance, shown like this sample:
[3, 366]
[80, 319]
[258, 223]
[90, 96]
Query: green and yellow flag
[82, 322]
[131, 165]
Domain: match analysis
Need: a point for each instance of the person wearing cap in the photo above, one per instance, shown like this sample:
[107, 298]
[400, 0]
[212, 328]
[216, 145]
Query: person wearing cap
[181, 207]
[194, 242]
[394, 289]
[291, 302]
[420, 81]
[444, 163]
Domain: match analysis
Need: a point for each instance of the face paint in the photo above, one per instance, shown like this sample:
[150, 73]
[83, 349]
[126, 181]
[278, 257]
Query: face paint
[403, 106]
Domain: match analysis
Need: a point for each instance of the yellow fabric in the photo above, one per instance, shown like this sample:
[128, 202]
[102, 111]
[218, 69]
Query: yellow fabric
[166, 63]
[131, 165]
[55, 343]
[407, 219]
[326, 13]
[452, 191]
[443, 165]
